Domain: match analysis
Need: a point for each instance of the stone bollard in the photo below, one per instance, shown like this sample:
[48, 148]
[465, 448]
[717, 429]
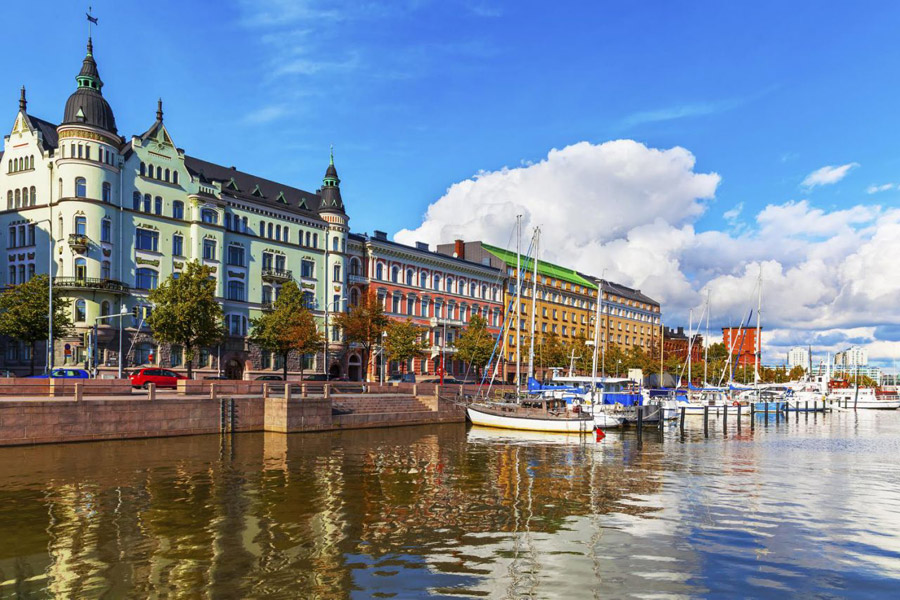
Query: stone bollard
[415, 389]
[303, 390]
[327, 391]
[287, 391]
[151, 391]
[266, 390]
[79, 391]
[212, 391]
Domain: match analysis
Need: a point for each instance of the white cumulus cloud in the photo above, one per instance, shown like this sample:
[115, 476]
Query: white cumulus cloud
[633, 210]
[827, 175]
[874, 189]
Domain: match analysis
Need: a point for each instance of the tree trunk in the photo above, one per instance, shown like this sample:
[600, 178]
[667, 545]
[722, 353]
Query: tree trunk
[32, 360]
[284, 364]
[190, 361]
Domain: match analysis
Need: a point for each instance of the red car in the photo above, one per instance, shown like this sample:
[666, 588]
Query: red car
[163, 378]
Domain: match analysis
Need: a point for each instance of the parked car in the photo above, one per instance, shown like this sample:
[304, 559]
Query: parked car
[216, 377]
[65, 373]
[402, 378]
[163, 378]
[447, 381]
[270, 378]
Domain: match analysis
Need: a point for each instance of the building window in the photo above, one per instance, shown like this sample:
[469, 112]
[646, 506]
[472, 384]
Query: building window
[236, 256]
[146, 203]
[107, 192]
[334, 244]
[177, 209]
[33, 199]
[235, 291]
[315, 240]
[147, 239]
[395, 304]
[379, 271]
[309, 300]
[337, 273]
[158, 205]
[395, 274]
[207, 215]
[177, 245]
[175, 177]
[104, 308]
[166, 175]
[409, 277]
[278, 232]
[80, 312]
[143, 169]
[105, 272]
[81, 225]
[146, 279]
[136, 201]
[269, 229]
[209, 249]
[144, 353]
[105, 230]
[307, 269]
[236, 325]
[159, 172]
[80, 187]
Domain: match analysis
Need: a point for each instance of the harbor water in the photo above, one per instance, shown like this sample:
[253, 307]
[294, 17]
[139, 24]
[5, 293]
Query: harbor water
[804, 508]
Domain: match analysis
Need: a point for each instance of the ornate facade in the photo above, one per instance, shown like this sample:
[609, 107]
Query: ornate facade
[112, 218]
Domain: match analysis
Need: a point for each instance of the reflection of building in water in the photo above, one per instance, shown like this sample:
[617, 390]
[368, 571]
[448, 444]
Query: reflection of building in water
[257, 513]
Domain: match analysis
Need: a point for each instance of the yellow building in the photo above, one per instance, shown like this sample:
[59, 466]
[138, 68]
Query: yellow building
[629, 318]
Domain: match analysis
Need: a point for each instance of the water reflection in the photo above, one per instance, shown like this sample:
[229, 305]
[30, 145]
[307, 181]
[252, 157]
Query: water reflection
[808, 506]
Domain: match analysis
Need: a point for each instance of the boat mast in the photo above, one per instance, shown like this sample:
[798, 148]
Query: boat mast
[758, 340]
[516, 320]
[596, 339]
[706, 344]
[537, 241]
[690, 343]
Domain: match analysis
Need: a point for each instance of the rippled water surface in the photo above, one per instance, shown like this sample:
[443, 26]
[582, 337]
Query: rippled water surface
[810, 508]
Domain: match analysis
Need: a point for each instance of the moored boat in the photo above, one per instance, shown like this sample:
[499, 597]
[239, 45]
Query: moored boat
[513, 415]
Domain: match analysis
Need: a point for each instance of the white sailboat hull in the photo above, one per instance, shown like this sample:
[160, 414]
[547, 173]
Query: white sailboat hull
[530, 423]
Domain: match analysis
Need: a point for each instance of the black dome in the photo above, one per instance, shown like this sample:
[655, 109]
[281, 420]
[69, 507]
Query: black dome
[87, 106]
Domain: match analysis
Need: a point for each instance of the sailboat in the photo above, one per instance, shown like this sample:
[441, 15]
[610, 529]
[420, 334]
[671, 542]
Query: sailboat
[530, 412]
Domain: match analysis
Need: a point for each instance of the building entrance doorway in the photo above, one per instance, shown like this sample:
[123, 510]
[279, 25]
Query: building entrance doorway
[354, 368]
[234, 369]
[334, 371]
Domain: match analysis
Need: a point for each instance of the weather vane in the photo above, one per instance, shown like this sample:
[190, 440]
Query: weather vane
[91, 19]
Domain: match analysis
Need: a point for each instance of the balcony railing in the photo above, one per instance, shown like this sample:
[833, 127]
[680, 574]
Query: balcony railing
[267, 306]
[440, 322]
[272, 274]
[354, 278]
[436, 350]
[90, 283]
[79, 242]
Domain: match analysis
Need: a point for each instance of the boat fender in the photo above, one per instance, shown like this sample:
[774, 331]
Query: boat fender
[735, 403]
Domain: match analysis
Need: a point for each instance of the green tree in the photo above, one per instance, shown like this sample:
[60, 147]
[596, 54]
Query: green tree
[363, 324]
[552, 351]
[185, 311]
[584, 356]
[476, 344]
[718, 351]
[404, 341]
[288, 327]
[23, 313]
[796, 373]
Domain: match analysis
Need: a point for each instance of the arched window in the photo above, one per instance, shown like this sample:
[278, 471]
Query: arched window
[33, 198]
[437, 282]
[354, 296]
[285, 234]
[18, 198]
[269, 231]
[175, 177]
[278, 232]
[334, 244]
[395, 274]
[9, 200]
[105, 272]
[208, 215]
[177, 209]
[107, 192]
[159, 172]
[150, 170]
[136, 201]
[337, 273]
[80, 268]
[262, 229]
[104, 308]
[243, 224]
[409, 277]
[31, 162]
[235, 291]
[228, 221]
[354, 266]
[80, 187]
[59, 228]
[79, 315]
[166, 176]
[315, 240]
[379, 271]
[143, 169]
[449, 287]
[105, 230]
[307, 238]
[146, 203]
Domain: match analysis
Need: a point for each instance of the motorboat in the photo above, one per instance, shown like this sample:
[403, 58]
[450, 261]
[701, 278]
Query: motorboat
[867, 398]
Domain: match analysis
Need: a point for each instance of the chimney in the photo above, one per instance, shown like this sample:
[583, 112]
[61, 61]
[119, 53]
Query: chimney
[459, 249]
[380, 235]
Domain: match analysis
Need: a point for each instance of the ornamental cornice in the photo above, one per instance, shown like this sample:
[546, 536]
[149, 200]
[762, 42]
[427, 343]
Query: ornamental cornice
[415, 260]
[89, 135]
[154, 262]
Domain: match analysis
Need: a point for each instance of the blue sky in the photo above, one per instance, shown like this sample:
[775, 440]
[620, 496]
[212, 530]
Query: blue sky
[418, 96]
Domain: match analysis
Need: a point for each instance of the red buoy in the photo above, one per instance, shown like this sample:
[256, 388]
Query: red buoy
[600, 434]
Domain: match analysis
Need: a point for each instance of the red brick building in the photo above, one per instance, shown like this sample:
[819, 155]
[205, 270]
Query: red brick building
[742, 343]
[676, 343]
[439, 293]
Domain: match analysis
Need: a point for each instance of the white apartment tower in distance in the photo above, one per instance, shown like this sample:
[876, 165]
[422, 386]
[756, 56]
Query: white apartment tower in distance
[798, 356]
[852, 357]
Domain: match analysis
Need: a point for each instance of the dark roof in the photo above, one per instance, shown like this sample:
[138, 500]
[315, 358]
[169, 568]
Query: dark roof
[94, 108]
[48, 132]
[256, 189]
[626, 292]
[430, 253]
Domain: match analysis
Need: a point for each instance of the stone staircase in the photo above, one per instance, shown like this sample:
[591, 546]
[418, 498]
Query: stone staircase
[384, 404]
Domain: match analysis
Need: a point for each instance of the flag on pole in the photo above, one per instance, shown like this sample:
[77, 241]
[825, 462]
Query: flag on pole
[92, 19]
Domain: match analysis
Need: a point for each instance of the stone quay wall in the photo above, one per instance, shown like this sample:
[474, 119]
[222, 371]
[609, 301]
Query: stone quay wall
[89, 410]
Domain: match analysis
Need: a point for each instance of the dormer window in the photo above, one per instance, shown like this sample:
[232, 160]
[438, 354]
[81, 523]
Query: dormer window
[258, 193]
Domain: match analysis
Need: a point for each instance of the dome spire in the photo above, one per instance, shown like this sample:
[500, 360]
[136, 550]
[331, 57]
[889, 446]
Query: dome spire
[87, 105]
[23, 103]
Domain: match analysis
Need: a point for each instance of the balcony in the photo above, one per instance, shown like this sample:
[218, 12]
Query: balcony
[90, 283]
[440, 322]
[267, 306]
[354, 278]
[277, 275]
[79, 242]
[447, 350]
